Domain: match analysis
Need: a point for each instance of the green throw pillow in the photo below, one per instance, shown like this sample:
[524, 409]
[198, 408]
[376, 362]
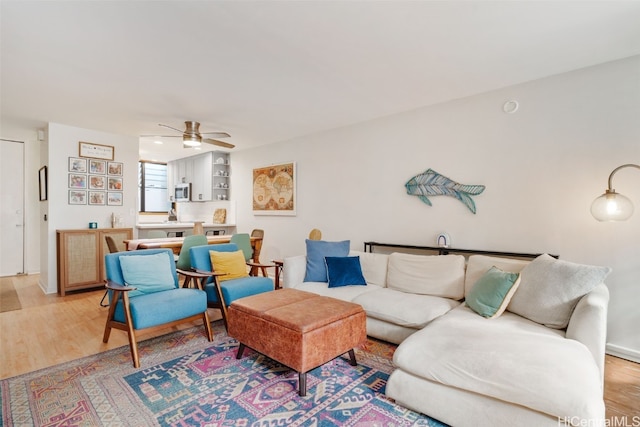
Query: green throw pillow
[491, 294]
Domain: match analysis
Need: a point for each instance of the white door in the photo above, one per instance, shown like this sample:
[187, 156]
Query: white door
[11, 208]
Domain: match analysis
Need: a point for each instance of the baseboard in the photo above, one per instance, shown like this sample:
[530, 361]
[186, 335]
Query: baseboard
[623, 352]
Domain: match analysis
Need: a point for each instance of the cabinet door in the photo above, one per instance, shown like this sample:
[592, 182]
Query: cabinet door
[78, 265]
[202, 182]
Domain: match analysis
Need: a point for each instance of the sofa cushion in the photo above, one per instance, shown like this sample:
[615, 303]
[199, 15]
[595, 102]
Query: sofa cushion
[404, 309]
[345, 293]
[480, 264]
[437, 275]
[232, 263]
[147, 273]
[509, 358]
[551, 288]
[317, 250]
[491, 294]
[344, 271]
[374, 267]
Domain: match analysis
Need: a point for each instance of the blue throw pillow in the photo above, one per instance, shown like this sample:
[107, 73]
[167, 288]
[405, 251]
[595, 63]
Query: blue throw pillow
[344, 271]
[317, 250]
[148, 273]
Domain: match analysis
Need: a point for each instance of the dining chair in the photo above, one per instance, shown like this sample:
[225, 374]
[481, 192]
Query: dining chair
[144, 292]
[243, 241]
[184, 258]
[111, 244]
[228, 277]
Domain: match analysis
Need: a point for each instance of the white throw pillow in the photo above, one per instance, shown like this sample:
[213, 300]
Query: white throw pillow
[437, 275]
[550, 289]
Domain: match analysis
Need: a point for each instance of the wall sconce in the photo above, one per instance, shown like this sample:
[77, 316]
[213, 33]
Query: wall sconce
[612, 206]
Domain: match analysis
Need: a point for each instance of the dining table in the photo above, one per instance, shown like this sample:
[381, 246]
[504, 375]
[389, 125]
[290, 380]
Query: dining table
[175, 244]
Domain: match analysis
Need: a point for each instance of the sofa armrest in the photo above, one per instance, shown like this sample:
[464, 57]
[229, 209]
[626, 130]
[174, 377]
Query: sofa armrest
[588, 324]
[293, 270]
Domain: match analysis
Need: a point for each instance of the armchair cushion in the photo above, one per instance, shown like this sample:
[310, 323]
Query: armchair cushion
[239, 288]
[232, 263]
[344, 271]
[317, 250]
[163, 307]
[491, 294]
[148, 273]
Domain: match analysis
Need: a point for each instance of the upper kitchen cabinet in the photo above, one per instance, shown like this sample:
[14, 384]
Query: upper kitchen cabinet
[208, 173]
[202, 181]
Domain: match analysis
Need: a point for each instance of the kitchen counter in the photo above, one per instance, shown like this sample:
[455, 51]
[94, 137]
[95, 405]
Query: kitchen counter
[174, 225]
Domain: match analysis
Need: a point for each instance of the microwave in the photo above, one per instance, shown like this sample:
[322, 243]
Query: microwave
[182, 193]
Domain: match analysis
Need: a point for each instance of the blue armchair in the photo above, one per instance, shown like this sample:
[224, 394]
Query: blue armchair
[220, 292]
[144, 292]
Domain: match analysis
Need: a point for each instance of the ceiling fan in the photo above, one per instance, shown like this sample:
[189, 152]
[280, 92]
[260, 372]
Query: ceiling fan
[192, 137]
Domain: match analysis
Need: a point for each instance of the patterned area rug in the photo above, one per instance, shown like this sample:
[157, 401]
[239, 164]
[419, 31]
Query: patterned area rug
[187, 381]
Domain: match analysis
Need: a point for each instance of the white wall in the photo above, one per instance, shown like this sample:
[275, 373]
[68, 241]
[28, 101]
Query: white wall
[542, 168]
[62, 144]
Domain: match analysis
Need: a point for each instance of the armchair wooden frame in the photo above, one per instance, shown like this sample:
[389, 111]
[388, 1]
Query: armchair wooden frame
[122, 292]
[200, 277]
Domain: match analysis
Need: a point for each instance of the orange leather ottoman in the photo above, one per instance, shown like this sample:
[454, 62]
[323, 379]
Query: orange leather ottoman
[299, 329]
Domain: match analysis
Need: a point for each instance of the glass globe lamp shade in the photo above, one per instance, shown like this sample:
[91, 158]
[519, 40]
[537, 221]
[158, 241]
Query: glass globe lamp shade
[191, 141]
[611, 206]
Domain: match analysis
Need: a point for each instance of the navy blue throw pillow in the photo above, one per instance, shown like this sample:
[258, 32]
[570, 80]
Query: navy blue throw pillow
[344, 271]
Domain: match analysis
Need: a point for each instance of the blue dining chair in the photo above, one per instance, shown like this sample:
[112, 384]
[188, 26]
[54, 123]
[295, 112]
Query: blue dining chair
[144, 292]
[220, 292]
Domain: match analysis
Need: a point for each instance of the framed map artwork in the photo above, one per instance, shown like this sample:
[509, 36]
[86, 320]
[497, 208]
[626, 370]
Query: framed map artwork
[274, 190]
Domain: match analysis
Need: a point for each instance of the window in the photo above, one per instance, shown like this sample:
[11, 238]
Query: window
[152, 187]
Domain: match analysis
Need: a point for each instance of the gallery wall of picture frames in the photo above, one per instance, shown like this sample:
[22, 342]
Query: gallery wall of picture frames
[94, 181]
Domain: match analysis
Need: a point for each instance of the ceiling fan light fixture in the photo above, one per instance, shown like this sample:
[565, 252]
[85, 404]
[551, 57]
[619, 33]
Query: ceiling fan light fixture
[191, 140]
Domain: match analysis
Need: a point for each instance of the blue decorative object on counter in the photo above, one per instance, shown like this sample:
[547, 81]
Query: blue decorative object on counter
[431, 183]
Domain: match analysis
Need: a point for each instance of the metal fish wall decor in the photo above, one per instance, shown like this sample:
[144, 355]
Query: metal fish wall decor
[431, 183]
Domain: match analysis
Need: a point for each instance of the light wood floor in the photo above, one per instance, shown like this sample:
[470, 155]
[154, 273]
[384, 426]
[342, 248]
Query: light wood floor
[49, 330]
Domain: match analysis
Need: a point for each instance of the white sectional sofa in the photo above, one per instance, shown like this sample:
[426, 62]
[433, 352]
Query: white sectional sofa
[540, 362]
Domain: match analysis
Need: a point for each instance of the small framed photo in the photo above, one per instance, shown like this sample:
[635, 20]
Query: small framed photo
[97, 182]
[114, 198]
[77, 165]
[98, 167]
[115, 184]
[114, 168]
[77, 197]
[97, 197]
[77, 181]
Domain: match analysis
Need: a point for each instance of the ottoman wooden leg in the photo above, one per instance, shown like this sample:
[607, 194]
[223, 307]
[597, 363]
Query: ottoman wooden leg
[302, 386]
[352, 358]
[240, 351]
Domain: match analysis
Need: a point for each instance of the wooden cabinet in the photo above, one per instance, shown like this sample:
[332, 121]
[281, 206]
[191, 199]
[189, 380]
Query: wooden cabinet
[202, 182]
[81, 256]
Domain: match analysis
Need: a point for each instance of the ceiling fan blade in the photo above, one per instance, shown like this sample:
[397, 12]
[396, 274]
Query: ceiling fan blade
[167, 126]
[160, 136]
[216, 134]
[218, 143]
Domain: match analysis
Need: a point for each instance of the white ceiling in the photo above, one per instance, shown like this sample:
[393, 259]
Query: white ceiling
[269, 71]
